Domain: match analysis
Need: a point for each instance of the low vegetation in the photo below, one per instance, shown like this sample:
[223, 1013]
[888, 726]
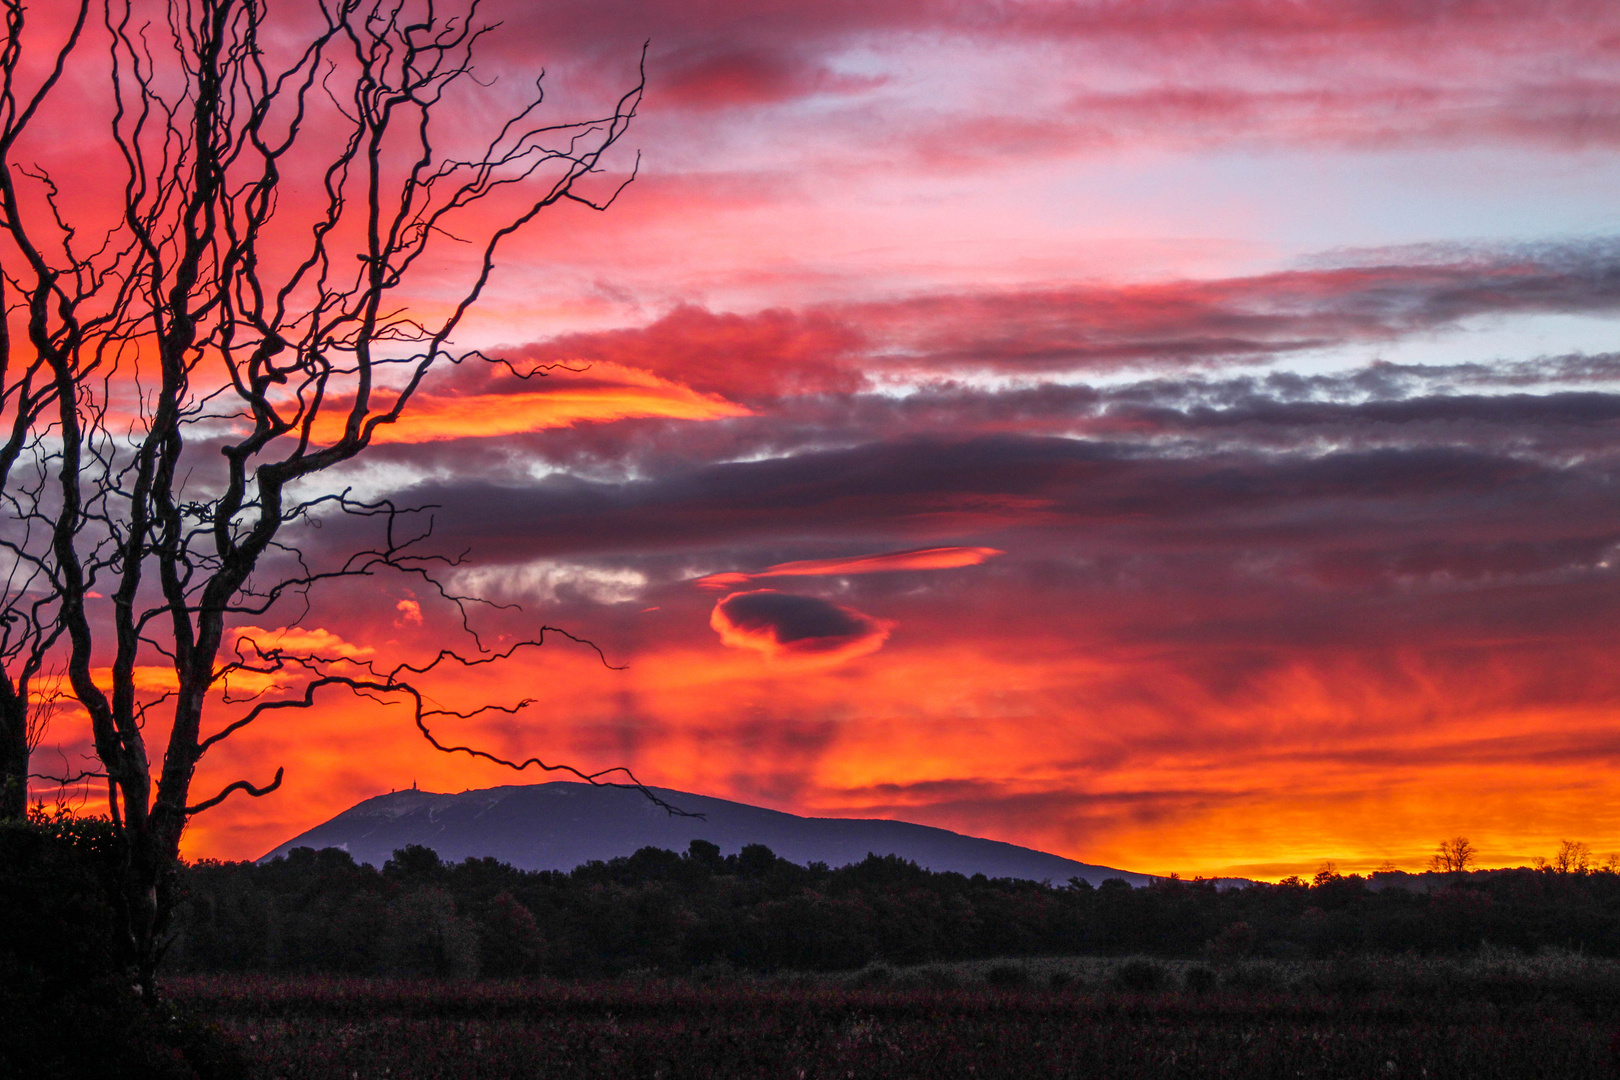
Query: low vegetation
[1489, 1015]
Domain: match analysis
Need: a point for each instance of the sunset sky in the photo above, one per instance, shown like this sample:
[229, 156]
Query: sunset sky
[1182, 435]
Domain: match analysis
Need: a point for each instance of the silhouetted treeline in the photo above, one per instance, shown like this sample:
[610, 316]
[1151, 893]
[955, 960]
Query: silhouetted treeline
[320, 912]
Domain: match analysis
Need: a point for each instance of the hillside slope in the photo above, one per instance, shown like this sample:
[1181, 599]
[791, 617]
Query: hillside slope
[558, 826]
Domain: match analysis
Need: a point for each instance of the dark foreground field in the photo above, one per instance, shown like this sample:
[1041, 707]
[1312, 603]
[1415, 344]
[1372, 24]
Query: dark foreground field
[1092, 1019]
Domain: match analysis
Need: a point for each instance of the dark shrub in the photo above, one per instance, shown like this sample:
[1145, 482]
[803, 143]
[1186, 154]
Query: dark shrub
[58, 887]
[509, 940]
[1006, 975]
[1200, 979]
[1141, 976]
[427, 937]
[716, 971]
[1255, 978]
[68, 1006]
[101, 1029]
[873, 975]
[1235, 940]
[1346, 979]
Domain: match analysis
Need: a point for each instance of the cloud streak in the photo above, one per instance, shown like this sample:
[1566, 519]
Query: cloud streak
[942, 558]
[1099, 327]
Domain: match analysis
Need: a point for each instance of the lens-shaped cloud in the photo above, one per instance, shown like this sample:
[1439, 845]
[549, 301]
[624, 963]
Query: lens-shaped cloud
[940, 558]
[784, 626]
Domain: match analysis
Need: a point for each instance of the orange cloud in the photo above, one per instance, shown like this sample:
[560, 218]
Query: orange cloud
[148, 678]
[159, 680]
[313, 641]
[939, 558]
[513, 414]
[612, 393]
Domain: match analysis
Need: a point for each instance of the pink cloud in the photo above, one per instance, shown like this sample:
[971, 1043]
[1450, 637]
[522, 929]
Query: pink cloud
[700, 78]
[837, 347]
[739, 356]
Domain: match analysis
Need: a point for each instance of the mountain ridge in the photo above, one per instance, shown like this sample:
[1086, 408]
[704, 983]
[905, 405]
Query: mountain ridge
[564, 824]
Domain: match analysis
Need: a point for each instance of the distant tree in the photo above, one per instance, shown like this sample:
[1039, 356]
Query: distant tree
[509, 938]
[1326, 874]
[705, 854]
[1235, 940]
[1453, 856]
[415, 864]
[1572, 857]
[427, 936]
[755, 860]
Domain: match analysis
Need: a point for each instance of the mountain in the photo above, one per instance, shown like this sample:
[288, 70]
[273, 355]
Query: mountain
[560, 825]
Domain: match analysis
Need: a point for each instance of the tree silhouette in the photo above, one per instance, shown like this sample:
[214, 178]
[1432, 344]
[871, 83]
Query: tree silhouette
[1453, 856]
[287, 194]
[1572, 857]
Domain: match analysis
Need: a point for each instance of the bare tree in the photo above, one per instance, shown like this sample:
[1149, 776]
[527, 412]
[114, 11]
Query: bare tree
[1454, 856]
[284, 212]
[1572, 857]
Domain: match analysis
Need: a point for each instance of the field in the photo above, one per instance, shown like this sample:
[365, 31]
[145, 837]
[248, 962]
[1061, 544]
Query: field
[1491, 1015]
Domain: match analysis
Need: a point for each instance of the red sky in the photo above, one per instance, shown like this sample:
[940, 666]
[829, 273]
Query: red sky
[1176, 434]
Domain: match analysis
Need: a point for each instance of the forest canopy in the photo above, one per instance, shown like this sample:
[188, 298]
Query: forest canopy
[318, 911]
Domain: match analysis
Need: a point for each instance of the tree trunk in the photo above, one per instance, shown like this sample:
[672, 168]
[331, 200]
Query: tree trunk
[148, 896]
[13, 754]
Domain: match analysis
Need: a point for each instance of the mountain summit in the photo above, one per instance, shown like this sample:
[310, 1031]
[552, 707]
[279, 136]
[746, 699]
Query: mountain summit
[560, 825]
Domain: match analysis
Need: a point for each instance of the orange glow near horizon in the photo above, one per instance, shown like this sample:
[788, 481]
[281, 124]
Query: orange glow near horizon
[1064, 755]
